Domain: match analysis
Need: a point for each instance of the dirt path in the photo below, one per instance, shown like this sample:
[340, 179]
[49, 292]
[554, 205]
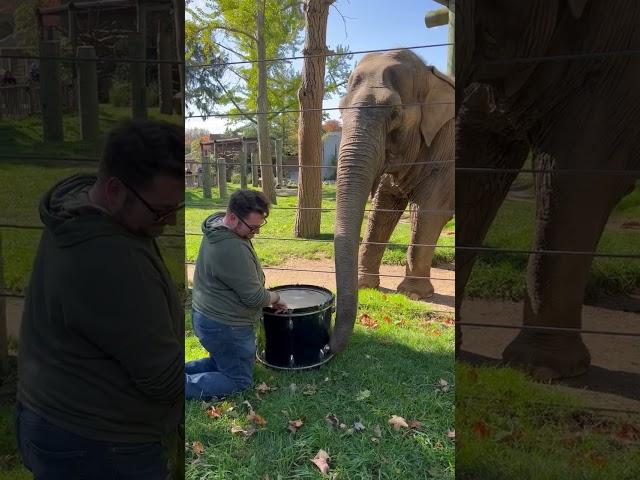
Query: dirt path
[314, 273]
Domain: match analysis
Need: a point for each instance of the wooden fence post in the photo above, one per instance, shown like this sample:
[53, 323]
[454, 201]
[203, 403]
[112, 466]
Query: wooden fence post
[88, 95]
[165, 52]
[243, 166]
[51, 92]
[137, 73]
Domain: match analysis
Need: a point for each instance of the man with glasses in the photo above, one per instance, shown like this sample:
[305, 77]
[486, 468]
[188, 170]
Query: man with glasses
[101, 362]
[228, 298]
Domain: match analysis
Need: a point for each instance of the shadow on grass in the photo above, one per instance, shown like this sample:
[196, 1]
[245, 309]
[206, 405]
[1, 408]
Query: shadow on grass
[597, 379]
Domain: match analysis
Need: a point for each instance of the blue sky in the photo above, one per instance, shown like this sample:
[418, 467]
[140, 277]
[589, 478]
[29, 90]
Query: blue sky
[373, 24]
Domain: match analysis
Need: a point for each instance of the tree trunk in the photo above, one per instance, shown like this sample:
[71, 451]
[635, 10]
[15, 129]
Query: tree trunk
[264, 143]
[310, 95]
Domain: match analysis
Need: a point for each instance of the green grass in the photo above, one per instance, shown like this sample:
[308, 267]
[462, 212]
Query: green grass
[24, 182]
[281, 223]
[503, 275]
[10, 463]
[508, 427]
[399, 364]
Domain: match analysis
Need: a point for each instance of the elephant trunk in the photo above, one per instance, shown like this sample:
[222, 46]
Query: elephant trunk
[359, 163]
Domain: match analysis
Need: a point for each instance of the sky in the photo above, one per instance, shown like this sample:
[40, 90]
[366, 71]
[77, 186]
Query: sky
[368, 25]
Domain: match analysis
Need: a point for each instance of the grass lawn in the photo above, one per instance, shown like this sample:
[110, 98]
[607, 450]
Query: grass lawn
[394, 369]
[506, 429]
[281, 222]
[503, 275]
[10, 463]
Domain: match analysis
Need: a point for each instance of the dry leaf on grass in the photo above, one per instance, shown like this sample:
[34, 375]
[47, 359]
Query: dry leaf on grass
[415, 424]
[443, 385]
[377, 432]
[367, 321]
[481, 429]
[321, 460]
[253, 417]
[247, 432]
[332, 420]
[197, 448]
[214, 411]
[451, 434]
[358, 427]
[294, 425]
[264, 388]
[387, 320]
[398, 422]
[629, 432]
[309, 390]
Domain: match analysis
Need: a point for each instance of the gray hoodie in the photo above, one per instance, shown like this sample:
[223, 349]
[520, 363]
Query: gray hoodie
[228, 283]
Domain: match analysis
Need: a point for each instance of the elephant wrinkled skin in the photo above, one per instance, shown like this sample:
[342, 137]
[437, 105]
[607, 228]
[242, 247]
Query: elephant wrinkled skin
[579, 114]
[401, 152]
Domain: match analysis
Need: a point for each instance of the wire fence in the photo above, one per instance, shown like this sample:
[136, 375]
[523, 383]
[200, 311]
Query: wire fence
[472, 170]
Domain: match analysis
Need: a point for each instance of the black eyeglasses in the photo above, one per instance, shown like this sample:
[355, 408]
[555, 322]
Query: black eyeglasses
[159, 216]
[252, 228]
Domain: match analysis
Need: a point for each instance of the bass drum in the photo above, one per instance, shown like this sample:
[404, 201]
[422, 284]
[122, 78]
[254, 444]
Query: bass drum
[297, 339]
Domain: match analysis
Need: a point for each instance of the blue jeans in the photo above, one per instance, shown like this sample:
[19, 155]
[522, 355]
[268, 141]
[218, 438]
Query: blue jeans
[229, 367]
[52, 453]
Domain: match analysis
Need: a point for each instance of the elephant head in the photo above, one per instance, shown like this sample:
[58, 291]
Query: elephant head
[394, 107]
[486, 38]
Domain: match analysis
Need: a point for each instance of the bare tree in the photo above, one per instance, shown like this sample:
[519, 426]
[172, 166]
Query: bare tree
[310, 95]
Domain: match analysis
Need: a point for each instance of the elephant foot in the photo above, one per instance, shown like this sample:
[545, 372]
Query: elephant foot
[368, 281]
[548, 356]
[416, 289]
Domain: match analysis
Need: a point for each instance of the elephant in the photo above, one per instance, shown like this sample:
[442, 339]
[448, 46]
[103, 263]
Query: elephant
[397, 144]
[577, 114]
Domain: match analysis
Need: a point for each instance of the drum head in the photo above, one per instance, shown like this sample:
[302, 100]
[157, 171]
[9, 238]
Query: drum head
[303, 298]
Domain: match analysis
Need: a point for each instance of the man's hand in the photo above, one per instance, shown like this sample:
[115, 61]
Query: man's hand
[276, 303]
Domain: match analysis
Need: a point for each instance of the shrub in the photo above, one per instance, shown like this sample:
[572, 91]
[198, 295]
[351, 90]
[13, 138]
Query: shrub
[120, 93]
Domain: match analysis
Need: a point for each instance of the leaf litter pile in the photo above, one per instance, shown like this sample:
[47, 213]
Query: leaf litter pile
[251, 423]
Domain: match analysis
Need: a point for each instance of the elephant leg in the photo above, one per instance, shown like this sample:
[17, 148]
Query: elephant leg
[480, 195]
[571, 215]
[426, 231]
[379, 229]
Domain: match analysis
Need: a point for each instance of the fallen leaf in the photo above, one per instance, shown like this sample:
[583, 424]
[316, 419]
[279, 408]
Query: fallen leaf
[292, 388]
[387, 320]
[399, 323]
[375, 439]
[332, 420]
[256, 419]
[376, 431]
[247, 432]
[214, 411]
[415, 424]
[363, 395]
[263, 388]
[197, 447]
[321, 460]
[358, 427]
[628, 432]
[326, 379]
[342, 426]
[398, 422]
[294, 425]
[481, 429]
[309, 390]
[349, 431]
[367, 321]
[451, 434]
[443, 385]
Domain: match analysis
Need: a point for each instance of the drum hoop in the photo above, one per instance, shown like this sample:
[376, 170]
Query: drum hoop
[287, 315]
[305, 367]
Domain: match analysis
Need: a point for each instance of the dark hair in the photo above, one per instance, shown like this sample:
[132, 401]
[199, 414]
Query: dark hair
[138, 150]
[244, 202]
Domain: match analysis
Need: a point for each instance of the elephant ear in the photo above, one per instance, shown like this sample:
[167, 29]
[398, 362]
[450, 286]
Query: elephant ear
[438, 106]
[577, 7]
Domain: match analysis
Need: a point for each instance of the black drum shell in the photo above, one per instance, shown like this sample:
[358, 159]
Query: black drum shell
[296, 339]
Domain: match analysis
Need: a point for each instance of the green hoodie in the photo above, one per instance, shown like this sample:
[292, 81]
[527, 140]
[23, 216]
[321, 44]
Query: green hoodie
[101, 343]
[228, 282]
